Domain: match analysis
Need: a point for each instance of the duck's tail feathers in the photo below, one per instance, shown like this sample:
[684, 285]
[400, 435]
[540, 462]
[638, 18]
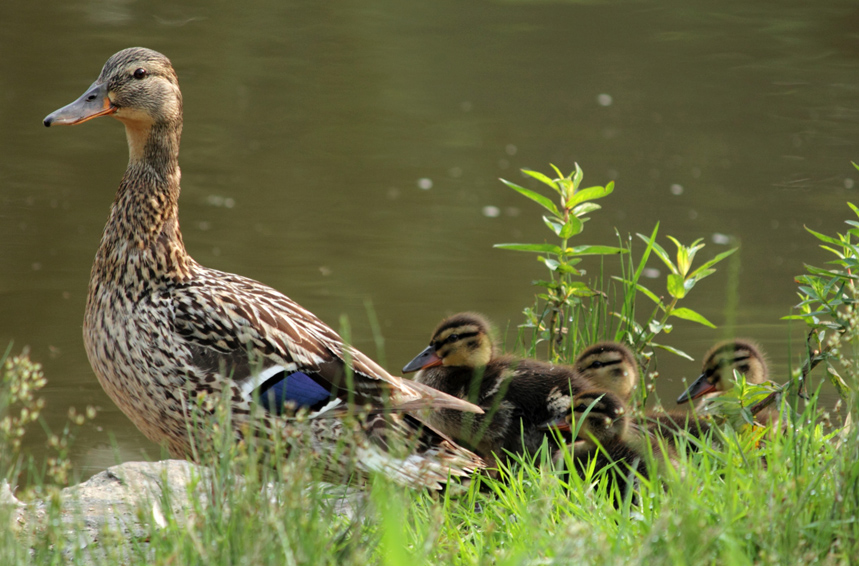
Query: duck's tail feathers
[415, 396]
[430, 459]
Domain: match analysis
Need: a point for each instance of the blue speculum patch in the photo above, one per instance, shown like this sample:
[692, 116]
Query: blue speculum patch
[298, 388]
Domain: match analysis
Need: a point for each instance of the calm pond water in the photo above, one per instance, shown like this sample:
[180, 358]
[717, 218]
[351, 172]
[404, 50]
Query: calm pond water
[348, 153]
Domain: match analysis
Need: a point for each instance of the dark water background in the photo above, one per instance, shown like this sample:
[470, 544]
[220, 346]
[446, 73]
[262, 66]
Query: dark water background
[310, 128]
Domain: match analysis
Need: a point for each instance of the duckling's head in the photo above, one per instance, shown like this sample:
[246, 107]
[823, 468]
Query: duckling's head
[137, 86]
[461, 340]
[719, 364]
[602, 416]
[610, 366]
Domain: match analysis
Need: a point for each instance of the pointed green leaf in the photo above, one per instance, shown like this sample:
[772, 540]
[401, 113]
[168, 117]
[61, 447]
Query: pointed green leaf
[591, 193]
[540, 177]
[675, 286]
[577, 177]
[689, 314]
[693, 279]
[553, 225]
[673, 350]
[715, 260]
[573, 227]
[683, 259]
[835, 274]
[823, 237]
[568, 268]
[585, 208]
[539, 248]
[660, 252]
[833, 251]
[646, 255]
[536, 197]
[694, 249]
[649, 294]
[584, 292]
[685, 255]
[595, 250]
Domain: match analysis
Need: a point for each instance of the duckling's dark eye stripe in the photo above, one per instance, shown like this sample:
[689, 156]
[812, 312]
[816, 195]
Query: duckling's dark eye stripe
[457, 337]
[604, 364]
[584, 402]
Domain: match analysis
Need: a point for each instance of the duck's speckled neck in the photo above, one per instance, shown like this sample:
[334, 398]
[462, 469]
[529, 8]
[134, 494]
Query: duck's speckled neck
[143, 229]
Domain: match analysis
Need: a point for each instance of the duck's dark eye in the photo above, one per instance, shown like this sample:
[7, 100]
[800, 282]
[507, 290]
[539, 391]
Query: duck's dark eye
[452, 338]
[140, 73]
[597, 364]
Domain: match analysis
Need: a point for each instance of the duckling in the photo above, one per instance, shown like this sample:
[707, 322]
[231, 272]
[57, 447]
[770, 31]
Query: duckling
[164, 333]
[606, 434]
[516, 395]
[610, 366]
[718, 369]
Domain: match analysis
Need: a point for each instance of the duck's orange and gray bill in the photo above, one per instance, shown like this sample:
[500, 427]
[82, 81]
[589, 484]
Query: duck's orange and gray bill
[425, 359]
[698, 388]
[92, 104]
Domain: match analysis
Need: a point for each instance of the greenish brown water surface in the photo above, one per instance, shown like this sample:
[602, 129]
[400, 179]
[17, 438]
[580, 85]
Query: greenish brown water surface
[310, 128]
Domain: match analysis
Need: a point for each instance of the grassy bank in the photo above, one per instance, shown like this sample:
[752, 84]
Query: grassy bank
[782, 499]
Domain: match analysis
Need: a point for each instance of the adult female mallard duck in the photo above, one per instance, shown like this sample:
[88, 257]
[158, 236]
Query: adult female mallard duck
[517, 395]
[161, 331]
[717, 374]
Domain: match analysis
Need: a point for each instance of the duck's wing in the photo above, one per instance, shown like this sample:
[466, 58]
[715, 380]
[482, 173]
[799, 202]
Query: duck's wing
[277, 352]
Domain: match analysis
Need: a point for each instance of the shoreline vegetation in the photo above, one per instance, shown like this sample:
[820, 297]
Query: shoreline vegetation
[783, 491]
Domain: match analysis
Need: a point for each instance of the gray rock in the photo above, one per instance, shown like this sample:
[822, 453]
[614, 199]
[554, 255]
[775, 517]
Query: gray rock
[110, 518]
[118, 507]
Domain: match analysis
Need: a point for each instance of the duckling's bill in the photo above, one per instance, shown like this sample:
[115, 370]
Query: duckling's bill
[563, 424]
[699, 388]
[91, 104]
[426, 359]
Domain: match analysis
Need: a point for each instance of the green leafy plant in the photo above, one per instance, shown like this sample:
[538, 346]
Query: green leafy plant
[564, 290]
[828, 306]
[680, 281]
[570, 310]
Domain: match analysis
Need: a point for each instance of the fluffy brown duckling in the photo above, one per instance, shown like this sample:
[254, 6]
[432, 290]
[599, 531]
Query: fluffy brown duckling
[607, 435]
[719, 364]
[517, 395]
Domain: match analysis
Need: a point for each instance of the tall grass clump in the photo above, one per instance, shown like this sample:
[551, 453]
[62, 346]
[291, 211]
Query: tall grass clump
[785, 491]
